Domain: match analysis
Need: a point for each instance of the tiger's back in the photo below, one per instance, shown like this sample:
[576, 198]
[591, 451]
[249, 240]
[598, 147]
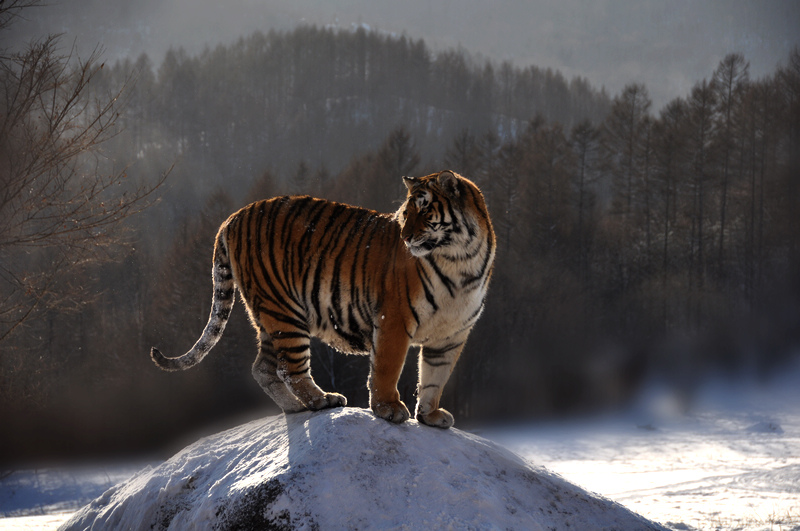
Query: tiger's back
[361, 281]
[319, 266]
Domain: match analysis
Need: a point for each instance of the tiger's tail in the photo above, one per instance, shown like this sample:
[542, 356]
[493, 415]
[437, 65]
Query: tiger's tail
[221, 306]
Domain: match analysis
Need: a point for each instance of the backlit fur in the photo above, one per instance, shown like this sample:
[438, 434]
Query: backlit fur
[361, 281]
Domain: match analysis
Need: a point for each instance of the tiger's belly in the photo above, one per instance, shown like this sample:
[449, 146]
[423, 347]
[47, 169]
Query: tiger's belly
[344, 338]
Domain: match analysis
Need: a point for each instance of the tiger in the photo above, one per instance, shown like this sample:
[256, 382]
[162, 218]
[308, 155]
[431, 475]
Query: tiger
[361, 281]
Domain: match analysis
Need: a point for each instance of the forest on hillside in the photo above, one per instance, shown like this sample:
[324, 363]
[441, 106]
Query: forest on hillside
[633, 243]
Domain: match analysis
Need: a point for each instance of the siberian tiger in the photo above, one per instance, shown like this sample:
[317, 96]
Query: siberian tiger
[361, 281]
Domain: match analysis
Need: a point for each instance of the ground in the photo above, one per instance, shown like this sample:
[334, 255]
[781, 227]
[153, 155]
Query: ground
[732, 461]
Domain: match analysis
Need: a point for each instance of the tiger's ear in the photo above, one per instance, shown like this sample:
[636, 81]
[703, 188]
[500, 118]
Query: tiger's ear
[410, 182]
[449, 183]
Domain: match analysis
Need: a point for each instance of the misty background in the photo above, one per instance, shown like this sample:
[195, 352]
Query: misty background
[639, 160]
[668, 46]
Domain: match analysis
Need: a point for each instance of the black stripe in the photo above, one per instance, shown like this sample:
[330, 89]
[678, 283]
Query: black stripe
[271, 228]
[283, 318]
[411, 306]
[435, 363]
[482, 272]
[284, 357]
[304, 246]
[430, 352]
[334, 236]
[425, 286]
[297, 209]
[294, 350]
[336, 278]
[360, 291]
[281, 302]
[280, 334]
[354, 285]
[475, 314]
[454, 218]
[447, 281]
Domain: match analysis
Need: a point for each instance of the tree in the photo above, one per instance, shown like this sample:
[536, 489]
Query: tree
[701, 125]
[464, 155]
[62, 204]
[546, 166]
[584, 139]
[730, 79]
[622, 135]
[670, 139]
[761, 109]
[489, 152]
[397, 157]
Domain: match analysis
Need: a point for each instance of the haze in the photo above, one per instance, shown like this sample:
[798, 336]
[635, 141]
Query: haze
[666, 45]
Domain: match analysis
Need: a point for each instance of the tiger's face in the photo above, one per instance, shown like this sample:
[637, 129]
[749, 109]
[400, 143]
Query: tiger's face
[430, 217]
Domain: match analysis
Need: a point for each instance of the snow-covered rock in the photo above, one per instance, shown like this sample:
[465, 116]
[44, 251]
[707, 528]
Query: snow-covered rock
[346, 469]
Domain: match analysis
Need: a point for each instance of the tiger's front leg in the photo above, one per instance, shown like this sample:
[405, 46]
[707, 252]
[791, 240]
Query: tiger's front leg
[386, 364]
[435, 366]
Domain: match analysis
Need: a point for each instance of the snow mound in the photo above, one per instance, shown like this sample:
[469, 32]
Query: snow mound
[346, 469]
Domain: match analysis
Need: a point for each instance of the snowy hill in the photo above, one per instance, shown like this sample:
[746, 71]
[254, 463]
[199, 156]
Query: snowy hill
[344, 468]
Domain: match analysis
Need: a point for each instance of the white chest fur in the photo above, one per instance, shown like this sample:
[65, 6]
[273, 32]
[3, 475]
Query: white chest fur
[450, 305]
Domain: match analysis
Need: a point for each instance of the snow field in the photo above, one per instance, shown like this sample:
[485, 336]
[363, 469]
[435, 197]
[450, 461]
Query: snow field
[731, 462]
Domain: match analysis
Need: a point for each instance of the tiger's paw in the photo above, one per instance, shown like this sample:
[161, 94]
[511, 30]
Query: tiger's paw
[327, 400]
[396, 412]
[439, 418]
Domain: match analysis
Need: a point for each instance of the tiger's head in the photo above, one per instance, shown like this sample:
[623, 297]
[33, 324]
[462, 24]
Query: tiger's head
[439, 213]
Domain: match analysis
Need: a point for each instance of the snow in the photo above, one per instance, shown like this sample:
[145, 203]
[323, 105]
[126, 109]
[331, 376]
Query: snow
[46, 497]
[731, 462]
[346, 469]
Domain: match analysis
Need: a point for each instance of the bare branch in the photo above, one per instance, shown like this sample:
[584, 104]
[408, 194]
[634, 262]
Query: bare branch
[62, 205]
[10, 10]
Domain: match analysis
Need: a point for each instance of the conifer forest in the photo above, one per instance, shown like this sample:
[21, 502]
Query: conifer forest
[634, 243]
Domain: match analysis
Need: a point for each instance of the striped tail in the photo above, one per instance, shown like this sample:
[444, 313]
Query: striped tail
[224, 290]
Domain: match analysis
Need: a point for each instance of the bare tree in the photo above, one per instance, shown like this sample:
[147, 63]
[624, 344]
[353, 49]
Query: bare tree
[62, 203]
[701, 131]
[730, 79]
[621, 137]
[585, 144]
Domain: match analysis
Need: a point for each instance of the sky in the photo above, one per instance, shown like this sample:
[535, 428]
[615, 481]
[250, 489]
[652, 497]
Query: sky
[667, 45]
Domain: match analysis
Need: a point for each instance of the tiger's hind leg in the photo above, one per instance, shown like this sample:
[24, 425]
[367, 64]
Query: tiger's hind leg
[292, 351]
[265, 373]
